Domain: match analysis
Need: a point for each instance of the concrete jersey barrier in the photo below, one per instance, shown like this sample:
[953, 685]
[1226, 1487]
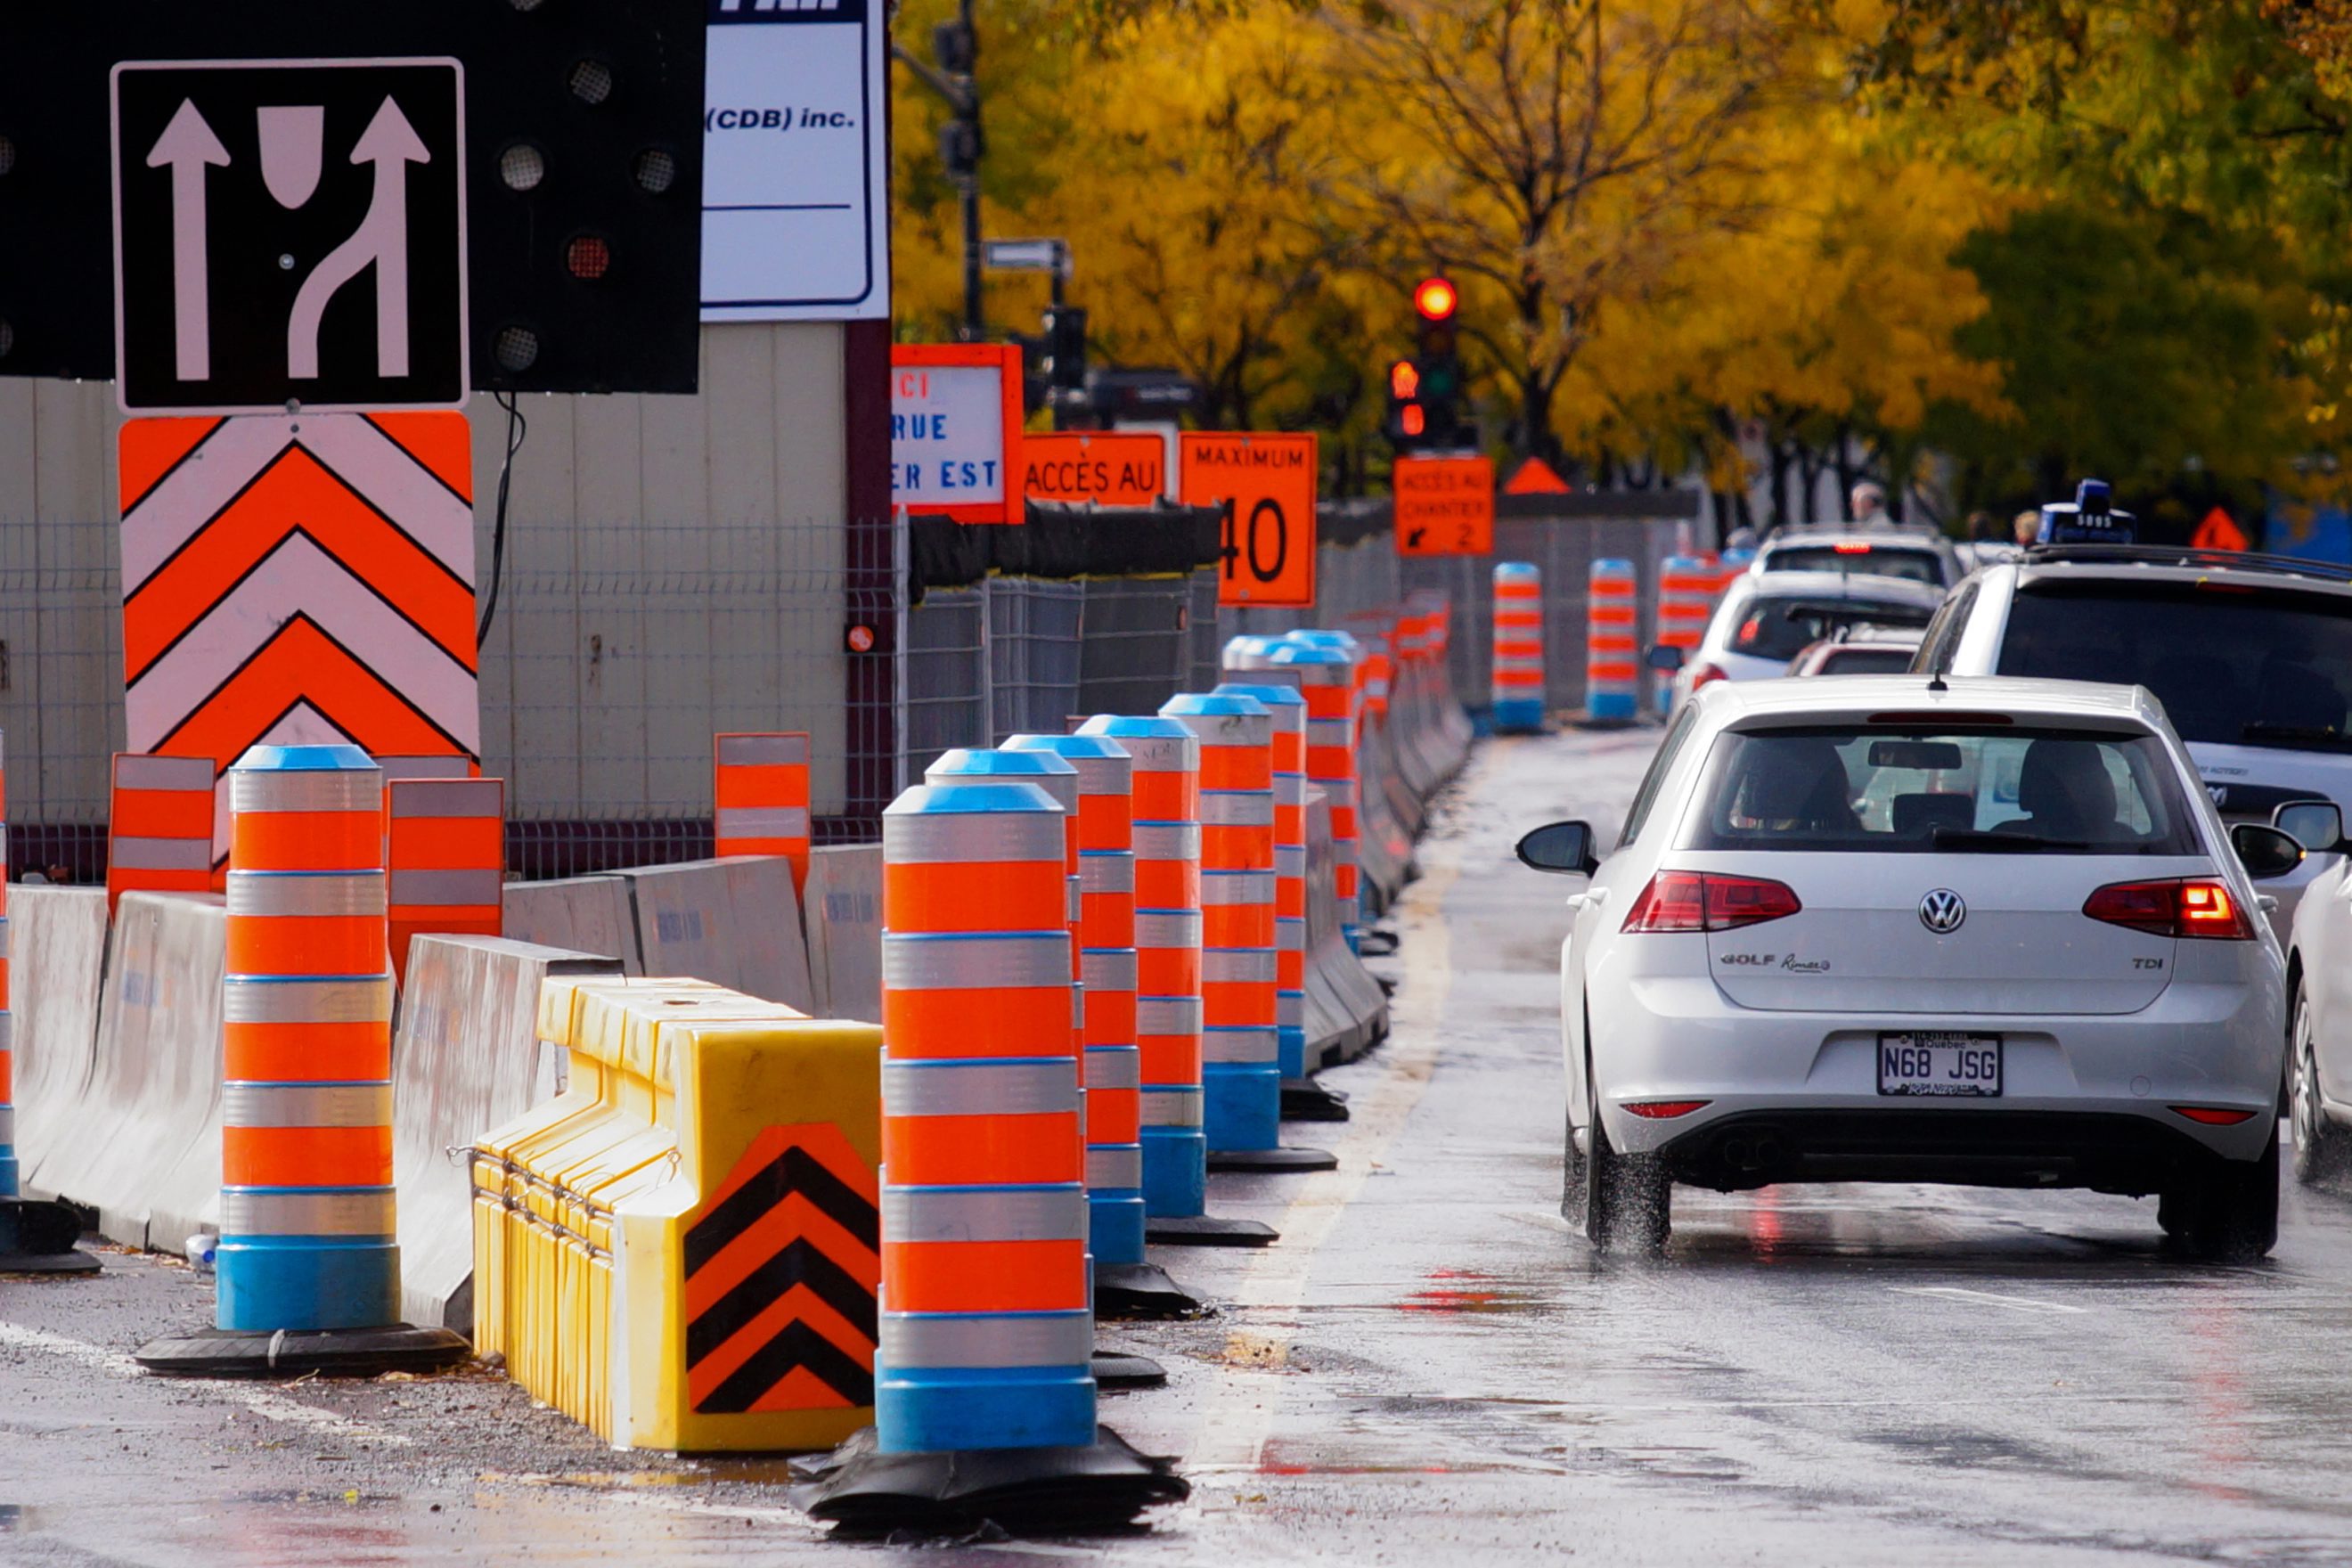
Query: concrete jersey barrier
[57, 940]
[735, 922]
[145, 1149]
[577, 914]
[1338, 985]
[843, 902]
[466, 1056]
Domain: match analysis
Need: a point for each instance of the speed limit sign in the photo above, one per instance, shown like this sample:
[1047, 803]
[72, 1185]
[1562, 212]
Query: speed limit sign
[1263, 485]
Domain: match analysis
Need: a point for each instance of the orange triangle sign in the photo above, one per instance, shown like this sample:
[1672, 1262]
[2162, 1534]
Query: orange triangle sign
[2219, 530]
[1535, 478]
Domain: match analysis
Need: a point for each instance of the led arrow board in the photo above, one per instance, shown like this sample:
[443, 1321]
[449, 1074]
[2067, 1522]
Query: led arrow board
[290, 232]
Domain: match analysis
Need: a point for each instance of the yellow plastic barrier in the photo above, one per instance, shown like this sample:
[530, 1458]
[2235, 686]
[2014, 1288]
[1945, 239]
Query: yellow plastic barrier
[682, 1250]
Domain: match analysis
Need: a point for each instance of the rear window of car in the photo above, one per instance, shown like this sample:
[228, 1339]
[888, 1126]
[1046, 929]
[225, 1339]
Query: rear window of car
[1865, 661]
[1907, 562]
[2005, 790]
[1772, 627]
[2229, 663]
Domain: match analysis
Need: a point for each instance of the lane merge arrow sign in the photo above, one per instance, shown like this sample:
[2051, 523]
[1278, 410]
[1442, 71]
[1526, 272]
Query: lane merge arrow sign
[250, 196]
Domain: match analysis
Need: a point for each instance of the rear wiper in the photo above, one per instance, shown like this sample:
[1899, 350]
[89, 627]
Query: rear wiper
[2309, 734]
[1994, 838]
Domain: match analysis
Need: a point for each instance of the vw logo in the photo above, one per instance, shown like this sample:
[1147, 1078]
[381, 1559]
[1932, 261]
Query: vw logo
[1942, 912]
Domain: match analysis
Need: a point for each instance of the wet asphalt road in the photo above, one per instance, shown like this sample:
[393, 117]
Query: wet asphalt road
[1430, 1367]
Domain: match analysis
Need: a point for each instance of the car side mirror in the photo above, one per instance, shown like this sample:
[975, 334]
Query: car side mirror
[1666, 657]
[2264, 852]
[2316, 825]
[1562, 846]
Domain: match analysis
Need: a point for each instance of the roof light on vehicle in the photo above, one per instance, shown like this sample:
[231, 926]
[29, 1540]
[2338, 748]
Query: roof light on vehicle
[1708, 901]
[2176, 907]
[2209, 1115]
[1665, 1109]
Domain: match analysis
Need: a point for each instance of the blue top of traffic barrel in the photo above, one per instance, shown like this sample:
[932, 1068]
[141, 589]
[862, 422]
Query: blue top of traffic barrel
[972, 761]
[1613, 566]
[960, 798]
[1316, 637]
[1213, 705]
[1310, 653]
[1513, 569]
[1271, 696]
[334, 759]
[1249, 647]
[1135, 727]
[1079, 745]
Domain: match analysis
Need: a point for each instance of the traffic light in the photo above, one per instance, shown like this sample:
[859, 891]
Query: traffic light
[1425, 390]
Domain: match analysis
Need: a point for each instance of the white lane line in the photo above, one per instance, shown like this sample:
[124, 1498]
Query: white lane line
[1985, 1297]
[265, 1403]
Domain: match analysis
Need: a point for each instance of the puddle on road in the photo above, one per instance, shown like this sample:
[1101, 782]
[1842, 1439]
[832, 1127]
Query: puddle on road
[1456, 1292]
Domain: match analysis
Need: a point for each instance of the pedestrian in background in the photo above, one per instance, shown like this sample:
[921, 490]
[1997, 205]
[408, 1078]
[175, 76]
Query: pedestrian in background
[2027, 528]
[1869, 504]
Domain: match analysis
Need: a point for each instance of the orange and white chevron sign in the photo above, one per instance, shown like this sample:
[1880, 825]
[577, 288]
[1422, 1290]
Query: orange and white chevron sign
[298, 579]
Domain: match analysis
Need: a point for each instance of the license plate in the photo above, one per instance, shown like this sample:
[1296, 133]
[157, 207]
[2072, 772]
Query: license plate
[1939, 1065]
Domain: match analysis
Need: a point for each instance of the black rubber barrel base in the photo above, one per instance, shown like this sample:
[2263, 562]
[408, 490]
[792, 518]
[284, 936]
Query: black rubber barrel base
[1208, 1230]
[1277, 1162]
[288, 1352]
[1022, 1491]
[38, 1238]
[1139, 1291]
[1116, 1373]
[1304, 1100]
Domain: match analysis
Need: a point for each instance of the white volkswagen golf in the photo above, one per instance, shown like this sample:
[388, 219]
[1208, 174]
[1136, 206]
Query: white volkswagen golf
[1986, 931]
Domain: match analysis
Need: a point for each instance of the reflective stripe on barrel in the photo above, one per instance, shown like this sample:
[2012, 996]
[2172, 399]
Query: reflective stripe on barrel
[307, 1208]
[759, 794]
[984, 1212]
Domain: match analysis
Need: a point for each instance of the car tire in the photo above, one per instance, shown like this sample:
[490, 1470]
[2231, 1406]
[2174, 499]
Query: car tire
[2230, 1216]
[1628, 1199]
[2323, 1151]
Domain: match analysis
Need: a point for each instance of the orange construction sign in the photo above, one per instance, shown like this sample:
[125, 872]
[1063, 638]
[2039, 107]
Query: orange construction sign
[295, 580]
[1109, 468]
[1444, 506]
[1264, 485]
[1536, 478]
[2219, 530]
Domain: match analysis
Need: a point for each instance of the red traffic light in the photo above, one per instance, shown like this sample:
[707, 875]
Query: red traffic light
[1435, 298]
[1413, 419]
[1404, 380]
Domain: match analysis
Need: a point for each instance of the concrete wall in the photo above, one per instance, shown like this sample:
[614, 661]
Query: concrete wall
[673, 568]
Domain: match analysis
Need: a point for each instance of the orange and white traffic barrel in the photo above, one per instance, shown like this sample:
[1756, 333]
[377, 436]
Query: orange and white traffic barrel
[1327, 674]
[1059, 780]
[1612, 668]
[159, 828]
[445, 847]
[308, 1231]
[1240, 1077]
[1107, 958]
[1518, 677]
[1166, 835]
[986, 1331]
[759, 787]
[1687, 590]
[1275, 687]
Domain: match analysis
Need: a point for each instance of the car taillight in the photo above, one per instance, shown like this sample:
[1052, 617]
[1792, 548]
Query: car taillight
[2212, 1116]
[1708, 901]
[2174, 907]
[1703, 672]
[1667, 1110]
[1851, 549]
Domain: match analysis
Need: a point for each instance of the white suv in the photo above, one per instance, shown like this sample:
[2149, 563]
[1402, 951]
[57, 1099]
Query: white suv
[2251, 656]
